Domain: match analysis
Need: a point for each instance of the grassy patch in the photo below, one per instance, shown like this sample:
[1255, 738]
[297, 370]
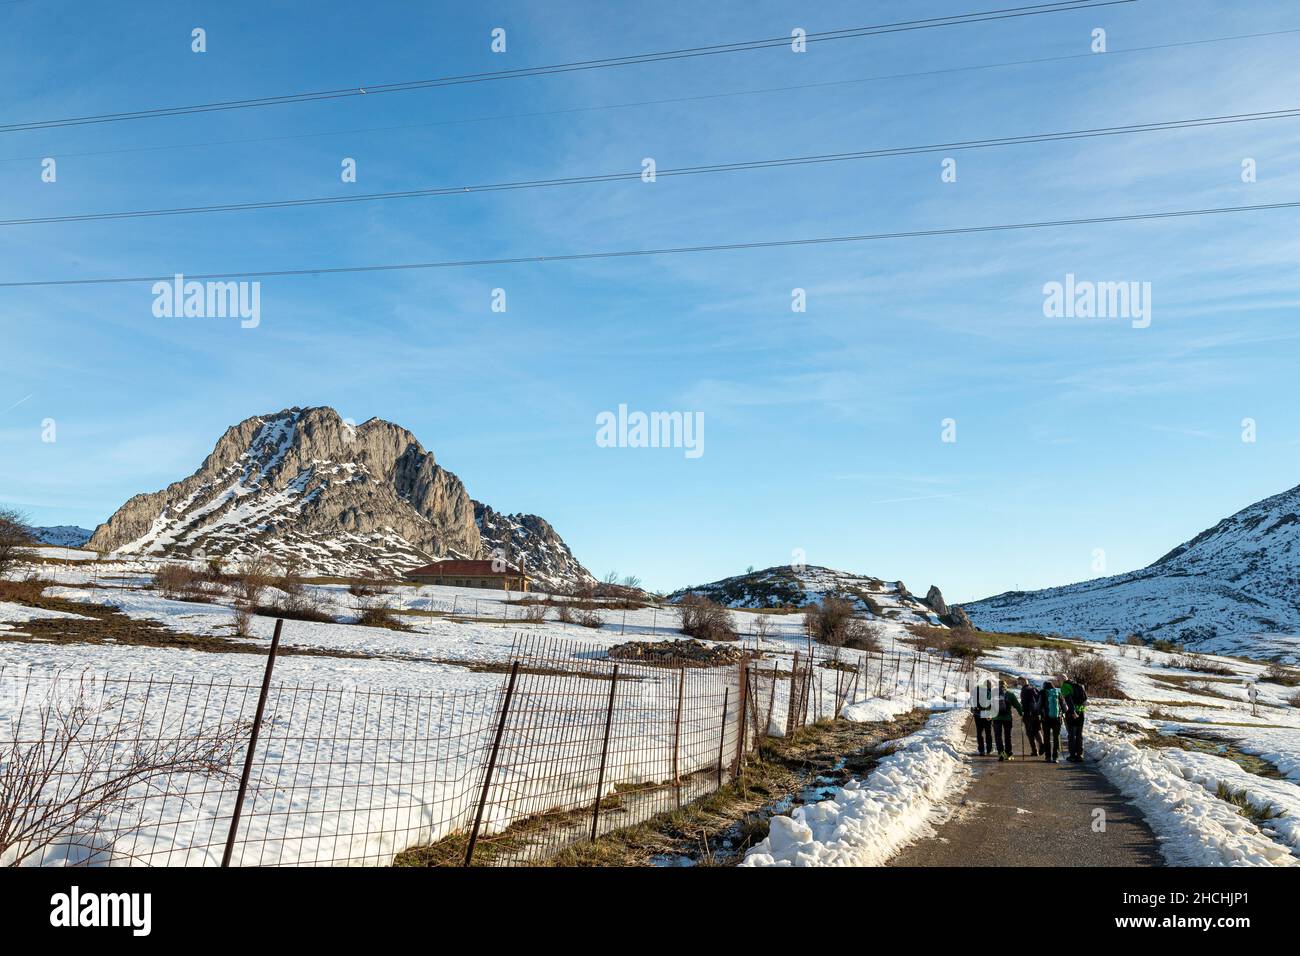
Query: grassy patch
[1240, 800]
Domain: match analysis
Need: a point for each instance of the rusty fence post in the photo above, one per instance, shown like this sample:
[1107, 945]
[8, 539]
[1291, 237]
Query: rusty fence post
[252, 744]
[722, 735]
[771, 703]
[792, 702]
[492, 763]
[743, 694]
[677, 733]
[604, 752]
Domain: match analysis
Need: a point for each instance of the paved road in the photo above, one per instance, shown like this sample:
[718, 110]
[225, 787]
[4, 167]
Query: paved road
[1032, 813]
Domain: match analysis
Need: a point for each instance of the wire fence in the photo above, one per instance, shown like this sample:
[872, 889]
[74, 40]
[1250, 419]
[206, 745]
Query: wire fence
[564, 743]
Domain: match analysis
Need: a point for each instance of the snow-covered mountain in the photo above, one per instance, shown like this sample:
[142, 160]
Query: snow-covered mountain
[530, 541]
[306, 486]
[786, 586]
[1234, 588]
[62, 535]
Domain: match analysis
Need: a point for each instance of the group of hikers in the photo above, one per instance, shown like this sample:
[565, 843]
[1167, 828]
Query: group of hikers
[1042, 711]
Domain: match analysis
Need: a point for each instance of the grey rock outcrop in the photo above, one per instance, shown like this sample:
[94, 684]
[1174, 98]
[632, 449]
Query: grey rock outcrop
[958, 618]
[934, 598]
[530, 542]
[308, 487]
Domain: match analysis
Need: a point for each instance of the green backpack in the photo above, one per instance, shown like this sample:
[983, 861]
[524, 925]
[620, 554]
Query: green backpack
[1052, 702]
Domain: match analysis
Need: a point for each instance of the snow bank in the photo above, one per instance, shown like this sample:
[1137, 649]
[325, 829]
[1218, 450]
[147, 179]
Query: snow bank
[868, 821]
[1195, 827]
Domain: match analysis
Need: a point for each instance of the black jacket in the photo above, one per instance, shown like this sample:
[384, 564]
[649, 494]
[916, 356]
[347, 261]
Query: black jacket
[1029, 698]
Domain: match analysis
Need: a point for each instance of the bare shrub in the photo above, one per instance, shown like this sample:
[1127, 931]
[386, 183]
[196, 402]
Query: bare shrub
[377, 614]
[251, 578]
[534, 612]
[300, 604]
[182, 582]
[1195, 662]
[859, 635]
[706, 620]
[828, 621]
[1278, 674]
[369, 584]
[1097, 674]
[243, 620]
[762, 627]
[1294, 699]
[15, 539]
[64, 772]
[564, 611]
[26, 591]
[956, 642]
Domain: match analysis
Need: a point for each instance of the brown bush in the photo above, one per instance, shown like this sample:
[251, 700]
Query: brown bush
[182, 582]
[1294, 699]
[1099, 676]
[828, 621]
[1278, 674]
[26, 591]
[706, 620]
[859, 636]
[301, 604]
[955, 641]
[534, 613]
[243, 620]
[251, 578]
[379, 616]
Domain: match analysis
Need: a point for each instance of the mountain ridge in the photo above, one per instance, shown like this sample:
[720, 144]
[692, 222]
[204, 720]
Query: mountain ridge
[309, 487]
[1232, 588]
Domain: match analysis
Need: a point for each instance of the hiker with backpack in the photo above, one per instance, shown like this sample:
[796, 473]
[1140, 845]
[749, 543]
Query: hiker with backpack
[1049, 709]
[1002, 720]
[1074, 697]
[982, 710]
[1029, 715]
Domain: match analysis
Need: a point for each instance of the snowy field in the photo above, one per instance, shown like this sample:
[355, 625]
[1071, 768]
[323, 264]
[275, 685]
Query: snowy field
[396, 773]
[399, 776]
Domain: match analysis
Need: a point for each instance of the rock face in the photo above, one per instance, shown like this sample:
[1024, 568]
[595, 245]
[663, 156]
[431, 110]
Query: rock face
[530, 542]
[305, 486]
[934, 598]
[1234, 588]
[958, 618]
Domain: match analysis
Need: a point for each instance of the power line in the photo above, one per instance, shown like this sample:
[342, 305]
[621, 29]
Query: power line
[670, 250]
[658, 102]
[439, 191]
[723, 48]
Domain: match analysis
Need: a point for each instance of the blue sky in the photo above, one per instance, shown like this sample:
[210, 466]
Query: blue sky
[822, 428]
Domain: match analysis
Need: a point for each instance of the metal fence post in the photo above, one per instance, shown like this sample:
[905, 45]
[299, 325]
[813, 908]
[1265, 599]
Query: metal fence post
[492, 763]
[252, 744]
[604, 752]
[792, 702]
[722, 735]
[677, 733]
[743, 693]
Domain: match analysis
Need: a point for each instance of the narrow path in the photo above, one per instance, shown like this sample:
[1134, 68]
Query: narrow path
[1032, 813]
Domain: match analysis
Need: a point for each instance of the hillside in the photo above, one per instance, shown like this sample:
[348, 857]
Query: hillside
[1232, 589]
[784, 586]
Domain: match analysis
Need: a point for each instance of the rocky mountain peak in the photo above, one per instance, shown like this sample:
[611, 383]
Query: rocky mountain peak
[313, 488]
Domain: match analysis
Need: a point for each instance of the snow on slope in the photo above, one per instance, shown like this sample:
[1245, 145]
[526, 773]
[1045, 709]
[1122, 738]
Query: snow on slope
[868, 821]
[1234, 588]
[785, 586]
[62, 535]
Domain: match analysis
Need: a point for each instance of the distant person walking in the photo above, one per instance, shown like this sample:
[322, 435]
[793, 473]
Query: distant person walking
[1030, 700]
[982, 710]
[1074, 698]
[1002, 720]
[1049, 710]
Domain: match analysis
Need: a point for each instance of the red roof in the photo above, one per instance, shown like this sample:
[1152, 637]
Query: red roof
[464, 569]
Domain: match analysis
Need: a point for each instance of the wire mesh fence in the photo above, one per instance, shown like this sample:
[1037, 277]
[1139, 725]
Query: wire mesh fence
[568, 741]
